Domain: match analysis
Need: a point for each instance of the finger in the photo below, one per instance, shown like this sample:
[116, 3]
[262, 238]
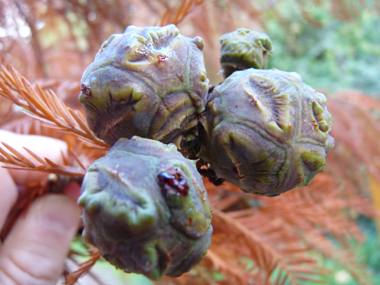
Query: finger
[72, 190]
[42, 146]
[35, 250]
[8, 194]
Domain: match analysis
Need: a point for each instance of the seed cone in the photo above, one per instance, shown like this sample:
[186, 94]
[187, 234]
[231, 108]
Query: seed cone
[150, 82]
[146, 209]
[267, 132]
[244, 48]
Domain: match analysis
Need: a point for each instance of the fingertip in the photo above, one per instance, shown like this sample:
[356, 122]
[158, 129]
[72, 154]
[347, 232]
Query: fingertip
[57, 213]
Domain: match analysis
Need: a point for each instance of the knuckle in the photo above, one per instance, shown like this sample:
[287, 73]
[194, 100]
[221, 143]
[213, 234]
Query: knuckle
[16, 269]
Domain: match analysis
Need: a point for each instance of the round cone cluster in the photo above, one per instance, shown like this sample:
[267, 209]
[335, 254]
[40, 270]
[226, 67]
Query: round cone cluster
[244, 49]
[150, 82]
[145, 208]
[267, 131]
[144, 203]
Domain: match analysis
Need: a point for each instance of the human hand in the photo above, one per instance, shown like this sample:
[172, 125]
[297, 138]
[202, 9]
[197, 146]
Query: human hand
[36, 247]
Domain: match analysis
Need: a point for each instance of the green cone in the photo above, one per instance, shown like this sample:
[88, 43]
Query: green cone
[150, 82]
[267, 132]
[146, 209]
[244, 48]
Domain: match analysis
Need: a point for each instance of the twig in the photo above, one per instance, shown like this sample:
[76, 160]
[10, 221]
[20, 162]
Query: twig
[44, 106]
[11, 156]
[171, 16]
[83, 269]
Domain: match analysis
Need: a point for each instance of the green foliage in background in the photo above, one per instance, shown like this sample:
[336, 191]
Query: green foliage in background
[328, 53]
[366, 251]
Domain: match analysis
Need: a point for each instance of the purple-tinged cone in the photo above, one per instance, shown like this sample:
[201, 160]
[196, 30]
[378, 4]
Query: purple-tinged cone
[146, 209]
[243, 49]
[149, 82]
[267, 132]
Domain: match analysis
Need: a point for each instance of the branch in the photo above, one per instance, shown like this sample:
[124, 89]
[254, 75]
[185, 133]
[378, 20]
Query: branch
[290, 261]
[185, 9]
[220, 264]
[44, 106]
[11, 156]
[83, 269]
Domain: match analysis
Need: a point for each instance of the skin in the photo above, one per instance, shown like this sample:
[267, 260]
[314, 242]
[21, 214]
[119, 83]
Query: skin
[36, 248]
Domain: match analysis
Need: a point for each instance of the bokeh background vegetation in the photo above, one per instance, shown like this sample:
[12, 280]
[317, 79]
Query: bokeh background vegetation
[330, 51]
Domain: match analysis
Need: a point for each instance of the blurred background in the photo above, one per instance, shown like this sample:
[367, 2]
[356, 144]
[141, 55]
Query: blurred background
[333, 44]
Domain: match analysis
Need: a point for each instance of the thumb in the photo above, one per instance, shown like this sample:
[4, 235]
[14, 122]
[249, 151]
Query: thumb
[35, 250]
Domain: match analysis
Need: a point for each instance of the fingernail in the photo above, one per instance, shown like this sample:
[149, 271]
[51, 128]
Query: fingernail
[57, 213]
